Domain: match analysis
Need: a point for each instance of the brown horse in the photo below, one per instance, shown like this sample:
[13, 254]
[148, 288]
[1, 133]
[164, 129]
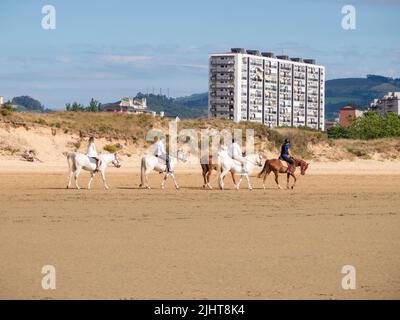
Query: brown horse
[279, 166]
[208, 168]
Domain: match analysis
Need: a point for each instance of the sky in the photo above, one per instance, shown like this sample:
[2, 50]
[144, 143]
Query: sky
[110, 49]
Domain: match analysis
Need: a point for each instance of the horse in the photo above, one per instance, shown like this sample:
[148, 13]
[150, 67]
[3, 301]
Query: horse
[151, 162]
[79, 161]
[207, 168]
[235, 167]
[280, 166]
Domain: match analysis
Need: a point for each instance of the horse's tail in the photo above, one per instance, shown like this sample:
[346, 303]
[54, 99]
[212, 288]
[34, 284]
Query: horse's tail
[142, 171]
[264, 169]
[71, 160]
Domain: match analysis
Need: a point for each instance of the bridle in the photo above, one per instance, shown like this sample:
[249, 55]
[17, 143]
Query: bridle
[116, 161]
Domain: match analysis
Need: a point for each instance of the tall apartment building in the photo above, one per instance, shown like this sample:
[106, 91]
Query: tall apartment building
[276, 91]
[389, 103]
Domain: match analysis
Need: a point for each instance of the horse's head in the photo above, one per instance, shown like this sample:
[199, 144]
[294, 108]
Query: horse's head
[181, 155]
[259, 159]
[116, 162]
[303, 167]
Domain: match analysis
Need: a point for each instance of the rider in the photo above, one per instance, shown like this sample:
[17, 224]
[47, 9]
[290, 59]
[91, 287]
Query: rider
[235, 152]
[286, 154]
[92, 153]
[161, 153]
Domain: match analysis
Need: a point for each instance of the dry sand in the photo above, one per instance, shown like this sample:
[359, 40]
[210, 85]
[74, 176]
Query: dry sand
[128, 243]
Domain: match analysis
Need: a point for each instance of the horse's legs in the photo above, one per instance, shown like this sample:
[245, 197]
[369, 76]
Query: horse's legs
[295, 179]
[248, 182]
[208, 178]
[221, 179]
[276, 179]
[103, 177]
[176, 184]
[146, 178]
[233, 178]
[237, 186]
[90, 180]
[265, 177]
[204, 172]
[164, 179]
[76, 174]
[288, 177]
[70, 179]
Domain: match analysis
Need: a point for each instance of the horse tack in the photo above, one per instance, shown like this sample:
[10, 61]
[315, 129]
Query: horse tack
[284, 163]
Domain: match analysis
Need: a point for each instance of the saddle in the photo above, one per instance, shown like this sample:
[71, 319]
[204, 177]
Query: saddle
[283, 163]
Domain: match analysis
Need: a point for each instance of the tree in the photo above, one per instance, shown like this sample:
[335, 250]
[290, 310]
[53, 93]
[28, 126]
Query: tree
[28, 102]
[75, 107]
[94, 106]
[6, 109]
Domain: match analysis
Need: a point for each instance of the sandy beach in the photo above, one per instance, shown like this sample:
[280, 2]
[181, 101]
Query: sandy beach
[129, 243]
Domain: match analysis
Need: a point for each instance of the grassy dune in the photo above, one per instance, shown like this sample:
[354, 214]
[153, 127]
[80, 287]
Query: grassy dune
[132, 129]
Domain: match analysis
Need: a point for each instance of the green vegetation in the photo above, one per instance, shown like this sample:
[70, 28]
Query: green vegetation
[27, 103]
[112, 148]
[94, 106]
[357, 92]
[370, 126]
[193, 106]
[7, 109]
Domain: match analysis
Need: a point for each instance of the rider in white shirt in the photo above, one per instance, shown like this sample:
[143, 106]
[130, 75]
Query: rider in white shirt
[161, 153]
[235, 152]
[92, 152]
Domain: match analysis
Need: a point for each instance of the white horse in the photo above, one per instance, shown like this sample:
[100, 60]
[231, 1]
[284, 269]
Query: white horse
[79, 161]
[235, 167]
[150, 162]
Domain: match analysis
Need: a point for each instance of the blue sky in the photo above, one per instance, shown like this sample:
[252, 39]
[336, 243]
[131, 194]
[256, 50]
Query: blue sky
[109, 49]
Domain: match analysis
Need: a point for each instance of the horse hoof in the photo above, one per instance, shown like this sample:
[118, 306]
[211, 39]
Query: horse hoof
[251, 189]
[148, 188]
[177, 188]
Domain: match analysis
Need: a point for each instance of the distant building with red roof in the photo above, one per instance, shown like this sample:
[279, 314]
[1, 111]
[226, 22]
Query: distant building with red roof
[348, 114]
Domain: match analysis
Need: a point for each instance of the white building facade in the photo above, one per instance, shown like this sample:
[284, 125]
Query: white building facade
[389, 103]
[275, 91]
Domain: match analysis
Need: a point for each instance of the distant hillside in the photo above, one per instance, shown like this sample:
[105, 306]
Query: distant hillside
[339, 92]
[27, 103]
[193, 106]
[356, 91]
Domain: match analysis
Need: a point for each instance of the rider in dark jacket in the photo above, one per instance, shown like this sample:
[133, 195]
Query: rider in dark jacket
[286, 155]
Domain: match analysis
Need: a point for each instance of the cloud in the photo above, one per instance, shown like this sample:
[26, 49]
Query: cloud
[124, 58]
